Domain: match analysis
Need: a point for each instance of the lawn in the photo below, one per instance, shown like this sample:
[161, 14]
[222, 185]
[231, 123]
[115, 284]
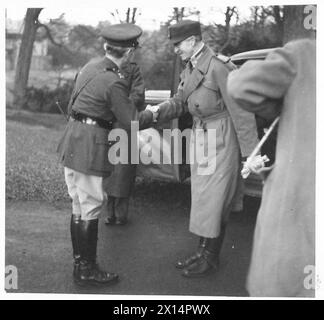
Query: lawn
[32, 168]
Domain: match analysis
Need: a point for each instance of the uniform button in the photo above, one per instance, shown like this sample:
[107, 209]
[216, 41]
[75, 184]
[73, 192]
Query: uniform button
[197, 105]
[71, 154]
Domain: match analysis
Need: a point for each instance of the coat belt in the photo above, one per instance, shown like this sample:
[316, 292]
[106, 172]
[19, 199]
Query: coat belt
[200, 123]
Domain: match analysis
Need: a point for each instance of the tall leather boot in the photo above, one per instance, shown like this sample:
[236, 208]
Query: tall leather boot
[111, 217]
[181, 264]
[74, 229]
[121, 210]
[209, 260]
[89, 272]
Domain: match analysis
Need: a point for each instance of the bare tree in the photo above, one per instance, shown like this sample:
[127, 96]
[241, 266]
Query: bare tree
[255, 15]
[31, 25]
[277, 12]
[130, 15]
[230, 11]
[25, 56]
[134, 15]
[178, 13]
[261, 17]
[294, 24]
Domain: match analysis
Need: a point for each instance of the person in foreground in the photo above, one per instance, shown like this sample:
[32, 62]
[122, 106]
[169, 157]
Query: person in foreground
[202, 92]
[283, 253]
[100, 97]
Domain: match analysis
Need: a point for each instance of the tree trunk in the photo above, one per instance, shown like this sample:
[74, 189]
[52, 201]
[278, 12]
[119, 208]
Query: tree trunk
[278, 16]
[127, 15]
[294, 24]
[134, 15]
[230, 11]
[25, 56]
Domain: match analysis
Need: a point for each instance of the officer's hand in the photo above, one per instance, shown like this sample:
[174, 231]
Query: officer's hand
[154, 110]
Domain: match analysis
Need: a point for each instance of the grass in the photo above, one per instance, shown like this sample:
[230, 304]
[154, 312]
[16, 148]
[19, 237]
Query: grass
[32, 168]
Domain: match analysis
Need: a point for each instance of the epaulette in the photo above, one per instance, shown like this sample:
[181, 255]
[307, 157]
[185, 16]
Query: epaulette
[226, 61]
[116, 71]
[223, 58]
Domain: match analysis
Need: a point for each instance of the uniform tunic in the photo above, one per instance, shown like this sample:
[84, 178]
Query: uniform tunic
[203, 93]
[284, 239]
[84, 147]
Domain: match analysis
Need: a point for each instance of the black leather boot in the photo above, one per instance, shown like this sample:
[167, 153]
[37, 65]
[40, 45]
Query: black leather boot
[208, 262]
[121, 210]
[89, 272]
[181, 264]
[74, 229]
[111, 218]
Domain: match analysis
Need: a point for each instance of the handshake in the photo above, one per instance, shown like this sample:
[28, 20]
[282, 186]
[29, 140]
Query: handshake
[155, 111]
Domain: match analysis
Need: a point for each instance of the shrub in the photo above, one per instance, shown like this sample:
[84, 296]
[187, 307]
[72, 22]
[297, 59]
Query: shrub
[44, 99]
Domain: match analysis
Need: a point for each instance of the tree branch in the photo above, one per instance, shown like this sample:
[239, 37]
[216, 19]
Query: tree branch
[50, 37]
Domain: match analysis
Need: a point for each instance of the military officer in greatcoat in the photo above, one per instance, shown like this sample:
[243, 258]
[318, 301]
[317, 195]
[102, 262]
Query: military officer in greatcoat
[202, 92]
[119, 184]
[100, 97]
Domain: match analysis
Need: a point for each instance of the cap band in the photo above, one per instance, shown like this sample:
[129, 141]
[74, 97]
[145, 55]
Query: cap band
[124, 44]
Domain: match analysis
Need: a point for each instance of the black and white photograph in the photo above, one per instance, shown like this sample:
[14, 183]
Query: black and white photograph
[161, 150]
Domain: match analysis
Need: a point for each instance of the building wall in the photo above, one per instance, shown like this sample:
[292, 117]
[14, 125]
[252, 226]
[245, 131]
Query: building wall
[40, 58]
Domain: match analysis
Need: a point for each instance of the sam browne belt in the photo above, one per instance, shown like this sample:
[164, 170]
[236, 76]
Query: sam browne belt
[92, 120]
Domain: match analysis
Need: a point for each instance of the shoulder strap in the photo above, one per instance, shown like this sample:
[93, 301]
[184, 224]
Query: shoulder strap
[226, 61]
[75, 95]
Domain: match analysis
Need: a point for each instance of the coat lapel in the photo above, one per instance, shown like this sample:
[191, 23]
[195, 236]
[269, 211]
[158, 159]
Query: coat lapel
[193, 79]
[191, 83]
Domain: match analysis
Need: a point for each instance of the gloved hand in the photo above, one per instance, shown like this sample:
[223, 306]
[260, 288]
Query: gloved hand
[254, 164]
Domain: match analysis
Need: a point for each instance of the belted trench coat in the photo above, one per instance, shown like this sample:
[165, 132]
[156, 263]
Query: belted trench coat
[231, 131]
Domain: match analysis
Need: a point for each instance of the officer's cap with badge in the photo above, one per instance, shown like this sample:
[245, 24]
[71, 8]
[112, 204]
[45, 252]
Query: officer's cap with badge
[122, 35]
[183, 30]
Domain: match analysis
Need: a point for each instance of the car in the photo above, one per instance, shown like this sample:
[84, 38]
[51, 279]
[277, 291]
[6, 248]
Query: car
[239, 58]
[162, 147]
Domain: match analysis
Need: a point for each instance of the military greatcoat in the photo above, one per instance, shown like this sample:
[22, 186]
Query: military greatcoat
[203, 93]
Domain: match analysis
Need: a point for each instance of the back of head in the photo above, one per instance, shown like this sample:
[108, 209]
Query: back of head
[119, 38]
